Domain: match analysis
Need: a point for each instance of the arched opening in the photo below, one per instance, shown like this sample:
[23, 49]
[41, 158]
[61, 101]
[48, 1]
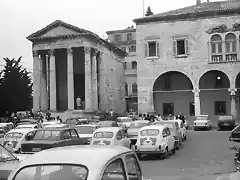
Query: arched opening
[172, 94]
[214, 94]
[134, 65]
[216, 48]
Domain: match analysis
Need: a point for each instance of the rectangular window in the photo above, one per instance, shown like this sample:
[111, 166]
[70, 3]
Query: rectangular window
[117, 38]
[220, 108]
[180, 47]
[191, 109]
[152, 49]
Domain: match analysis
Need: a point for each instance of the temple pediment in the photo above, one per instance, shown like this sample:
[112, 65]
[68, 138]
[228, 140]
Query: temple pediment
[59, 31]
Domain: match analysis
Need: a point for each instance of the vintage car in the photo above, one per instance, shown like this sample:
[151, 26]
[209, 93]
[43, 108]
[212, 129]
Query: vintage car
[111, 136]
[44, 124]
[175, 131]
[52, 137]
[86, 130]
[28, 126]
[107, 124]
[57, 125]
[16, 137]
[8, 162]
[134, 129]
[235, 134]
[124, 121]
[155, 139]
[202, 122]
[10, 125]
[182, 128]
[226, 122]
[80, 163]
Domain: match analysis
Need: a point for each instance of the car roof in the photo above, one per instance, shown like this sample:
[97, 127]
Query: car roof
[154, 127]
[111, 129]
[50, 122]
[90, 125]
[20, 130]
[54, 129]
[26, 125]
[79, 154]
[56, 125]
[141, 121]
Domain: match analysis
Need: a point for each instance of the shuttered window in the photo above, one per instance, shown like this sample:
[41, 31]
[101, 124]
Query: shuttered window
[152, 49]
[180, 47]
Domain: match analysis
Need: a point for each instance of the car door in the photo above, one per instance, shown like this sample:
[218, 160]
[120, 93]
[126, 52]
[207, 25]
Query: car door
[170, 139]
[133, 169]
[126, 140]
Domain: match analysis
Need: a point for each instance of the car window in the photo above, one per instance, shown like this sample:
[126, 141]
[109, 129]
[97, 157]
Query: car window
[115, 171]
[133, 169]
[168, 131]
[119, 135]
[66, 134]
[73, 133]
[164, 133]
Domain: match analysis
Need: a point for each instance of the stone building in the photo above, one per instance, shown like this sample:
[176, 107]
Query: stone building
[126, 40]
[189, 60]
[70, 62]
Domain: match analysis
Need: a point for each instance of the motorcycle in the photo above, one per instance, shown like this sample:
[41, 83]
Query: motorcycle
[237, 159]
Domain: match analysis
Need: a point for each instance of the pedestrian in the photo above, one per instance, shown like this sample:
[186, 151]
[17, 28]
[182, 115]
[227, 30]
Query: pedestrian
[78, 102]
[59, 119]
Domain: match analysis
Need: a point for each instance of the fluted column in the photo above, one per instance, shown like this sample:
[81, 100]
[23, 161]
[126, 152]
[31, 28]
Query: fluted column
[88, 79]
[36, 81]
[94, 81]
[53, 92]
[70, 79]
[197, 103]
[44, 95]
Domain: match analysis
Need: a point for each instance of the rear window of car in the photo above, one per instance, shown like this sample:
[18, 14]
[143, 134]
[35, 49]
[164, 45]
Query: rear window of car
[56, 171]
[85, 129]
[14, 135]
[149, 132]
[52, 135]
[104, 134]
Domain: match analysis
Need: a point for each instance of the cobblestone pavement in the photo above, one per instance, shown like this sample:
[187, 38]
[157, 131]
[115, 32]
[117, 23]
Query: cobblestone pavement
[204, 155]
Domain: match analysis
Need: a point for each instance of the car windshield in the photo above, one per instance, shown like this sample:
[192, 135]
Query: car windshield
[138, 125]
[104, 134]
[5, 155]
[124, 120]
[53, 172]
[50, 135]
[85, 129]
[201, 118]
[14, 135]
[149, 132]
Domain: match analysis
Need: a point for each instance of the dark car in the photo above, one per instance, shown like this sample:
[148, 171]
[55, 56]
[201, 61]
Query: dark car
[8, 162]
[50, 138]
[107, 124]
[235, 134]
[226, 122]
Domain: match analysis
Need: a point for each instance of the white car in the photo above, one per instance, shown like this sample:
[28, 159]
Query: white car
[44, 124]
[86, 130]
[111, 136]
[59, 125]
[155, 139]
[28, 126]
[202, 122]
[80, 163]
[16, 137]
[124, 121]
[182, 128]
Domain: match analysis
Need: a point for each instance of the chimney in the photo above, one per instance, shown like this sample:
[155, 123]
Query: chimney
[198, 2]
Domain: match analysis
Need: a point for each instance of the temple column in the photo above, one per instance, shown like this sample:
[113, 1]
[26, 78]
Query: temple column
[36, 81]
[94, 81]
[47, 81]
[88, 79]
[233, 101]
[52, 86]
[70, 79]
[44, 95]
[197, 103]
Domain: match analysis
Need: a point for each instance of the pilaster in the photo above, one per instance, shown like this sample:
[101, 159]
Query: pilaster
[53, 91]
[233, 101]
[88, 79]
[43, 83]
[197, 103]
[94, 81]
[70, 79]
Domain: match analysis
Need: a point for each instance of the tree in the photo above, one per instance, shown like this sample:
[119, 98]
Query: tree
[149, 12]
[15, 87]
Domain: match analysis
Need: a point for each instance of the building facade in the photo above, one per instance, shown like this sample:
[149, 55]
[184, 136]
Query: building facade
[126, 40]
[189, 61]
[70, 62]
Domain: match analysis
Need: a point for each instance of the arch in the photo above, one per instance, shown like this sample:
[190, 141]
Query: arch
[126, 89]
[172, 80]
[237, 81]
[216, 43]
[134, 88]
[134, 64]
[214, 79]
[216, 37]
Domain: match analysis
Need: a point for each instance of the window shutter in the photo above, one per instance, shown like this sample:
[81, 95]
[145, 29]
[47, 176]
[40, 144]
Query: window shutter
[174, 47]
[158, 48]
[146, 49]
[186, 46]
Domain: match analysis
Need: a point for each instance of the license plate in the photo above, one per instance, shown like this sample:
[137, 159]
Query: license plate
[36, 149]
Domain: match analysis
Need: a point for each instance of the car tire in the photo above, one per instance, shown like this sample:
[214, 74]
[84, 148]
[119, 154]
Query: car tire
[195, 129]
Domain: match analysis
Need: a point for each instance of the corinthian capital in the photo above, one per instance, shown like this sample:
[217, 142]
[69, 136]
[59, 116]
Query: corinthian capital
[87, 50]
[35, 53]
[51, 52]
[70, 51]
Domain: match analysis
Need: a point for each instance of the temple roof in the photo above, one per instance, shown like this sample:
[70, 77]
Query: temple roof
[60, 29]
[206, 9]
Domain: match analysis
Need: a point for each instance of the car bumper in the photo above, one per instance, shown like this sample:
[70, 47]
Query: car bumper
[148, 151]
[201, 126]
[234, 139]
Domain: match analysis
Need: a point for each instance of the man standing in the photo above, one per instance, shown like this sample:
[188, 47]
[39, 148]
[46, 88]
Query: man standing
[78, 102]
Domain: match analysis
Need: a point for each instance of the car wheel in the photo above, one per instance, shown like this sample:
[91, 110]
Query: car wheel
[195, 129]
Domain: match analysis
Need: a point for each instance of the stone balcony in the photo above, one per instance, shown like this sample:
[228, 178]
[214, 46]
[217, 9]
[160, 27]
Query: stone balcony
[224, 58]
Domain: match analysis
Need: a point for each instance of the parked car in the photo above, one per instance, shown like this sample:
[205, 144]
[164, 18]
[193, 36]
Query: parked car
[235, 134]
[175, 131]
[202, 122]
[226, 122]
[107, 124]
[52, 137]
[28, 126]
[80, 163]
[124, 121]
[134, 129]
[155, 139]
[86, 130]
[110, 136]
[16, 137]
[182, 128]
[8, 162]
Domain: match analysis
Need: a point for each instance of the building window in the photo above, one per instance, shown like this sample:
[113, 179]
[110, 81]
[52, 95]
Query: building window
[117, 38]
[216, 48]
[191, 109]
[126, 89]
[180, 47]
[231, 47]
[129, 37]
[134, 88]
[124, 48]
[134, 65]
[125, 65]
[152, 49]
[132, 48]
[220, 107]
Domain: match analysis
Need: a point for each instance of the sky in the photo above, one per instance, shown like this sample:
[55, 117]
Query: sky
[20, 18]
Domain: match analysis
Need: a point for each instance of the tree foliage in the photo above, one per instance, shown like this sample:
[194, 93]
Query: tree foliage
[149, 11]
[15, 87]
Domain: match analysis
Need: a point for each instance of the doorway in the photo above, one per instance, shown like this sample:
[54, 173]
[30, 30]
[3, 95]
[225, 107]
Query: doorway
[168, 108]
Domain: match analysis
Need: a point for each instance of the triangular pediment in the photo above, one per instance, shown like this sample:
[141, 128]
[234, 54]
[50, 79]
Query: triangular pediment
[58, 31]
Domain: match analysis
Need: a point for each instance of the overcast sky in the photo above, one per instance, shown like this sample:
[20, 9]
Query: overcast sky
[20, 18]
